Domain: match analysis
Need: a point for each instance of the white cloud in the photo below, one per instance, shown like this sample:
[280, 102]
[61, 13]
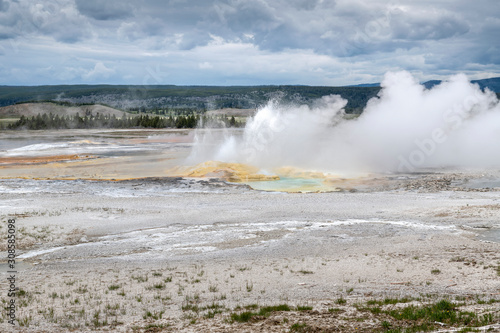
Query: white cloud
[100, 71]
[205, 65]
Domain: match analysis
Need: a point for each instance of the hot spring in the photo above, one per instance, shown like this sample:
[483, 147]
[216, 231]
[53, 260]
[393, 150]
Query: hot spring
[405, 129]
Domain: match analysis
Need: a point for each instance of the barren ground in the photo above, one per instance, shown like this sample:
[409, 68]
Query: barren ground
[186, 255]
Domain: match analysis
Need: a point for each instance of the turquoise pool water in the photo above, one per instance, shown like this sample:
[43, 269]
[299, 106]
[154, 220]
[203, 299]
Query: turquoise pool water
[292, 185]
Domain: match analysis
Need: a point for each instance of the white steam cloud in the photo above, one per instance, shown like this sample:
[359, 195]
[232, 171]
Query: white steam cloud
[404, 129]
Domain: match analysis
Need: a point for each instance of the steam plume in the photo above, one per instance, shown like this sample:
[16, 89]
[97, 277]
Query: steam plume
[404, 129]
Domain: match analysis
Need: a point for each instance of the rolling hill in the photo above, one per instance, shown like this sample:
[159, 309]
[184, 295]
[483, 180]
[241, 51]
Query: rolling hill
[33, 109]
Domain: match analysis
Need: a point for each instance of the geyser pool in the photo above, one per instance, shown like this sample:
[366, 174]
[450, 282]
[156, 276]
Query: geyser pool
[290, 184]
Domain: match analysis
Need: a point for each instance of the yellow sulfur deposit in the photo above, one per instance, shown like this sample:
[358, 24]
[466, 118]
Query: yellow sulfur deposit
[292, 172]
[233, 172]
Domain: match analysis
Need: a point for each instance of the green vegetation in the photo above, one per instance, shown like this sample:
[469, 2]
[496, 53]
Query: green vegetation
[304, 308]
[425, 318]
[300, 327]
[51, 121]
[154, 315]
[341, 301]
[387, 301]
[303, 271]
[263, 312]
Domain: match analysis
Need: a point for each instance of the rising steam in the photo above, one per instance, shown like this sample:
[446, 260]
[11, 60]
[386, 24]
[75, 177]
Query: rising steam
[404, 129]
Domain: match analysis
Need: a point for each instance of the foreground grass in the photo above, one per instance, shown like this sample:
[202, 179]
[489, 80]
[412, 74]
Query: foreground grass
[263, 312]
[114, 303]
[388, 315]
[425, 318]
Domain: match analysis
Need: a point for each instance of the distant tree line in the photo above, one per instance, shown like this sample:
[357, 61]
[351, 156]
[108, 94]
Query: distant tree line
[51, 121]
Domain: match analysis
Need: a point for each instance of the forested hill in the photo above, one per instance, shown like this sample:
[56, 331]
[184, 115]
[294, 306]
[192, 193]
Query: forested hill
[189, 98]
[196, 98]
[492, 84]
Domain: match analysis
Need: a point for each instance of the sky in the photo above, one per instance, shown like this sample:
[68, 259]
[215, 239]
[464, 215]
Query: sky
[245, 42]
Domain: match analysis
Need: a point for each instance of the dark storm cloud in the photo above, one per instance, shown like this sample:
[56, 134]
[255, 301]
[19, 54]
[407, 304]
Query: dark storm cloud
[426, 26]
[105, 10]
[274, 25]
[4, 5]
[57, 19]
[299, 40]
[324, 26]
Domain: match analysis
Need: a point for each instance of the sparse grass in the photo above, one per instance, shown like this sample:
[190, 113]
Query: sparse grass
[249, 286]
[190, 307]
[424, 318]
[242, 317]
[304, 308]
[153, 315]
[159, 286]
[114, 287]
[95, 319]
[387, 301]
[214, 306]
[212, 313]
[341, 301]
[24, 321]
[81, 289]
[154, 327]
[140, 278]
[335, 310]
[300, 327]
[303, 271]
[435, 271]
[265, 311]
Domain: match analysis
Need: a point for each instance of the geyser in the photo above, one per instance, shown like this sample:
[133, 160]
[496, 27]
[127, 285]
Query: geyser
[404, 129]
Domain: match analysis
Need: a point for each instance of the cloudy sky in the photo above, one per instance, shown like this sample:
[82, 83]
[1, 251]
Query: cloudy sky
[245, 42]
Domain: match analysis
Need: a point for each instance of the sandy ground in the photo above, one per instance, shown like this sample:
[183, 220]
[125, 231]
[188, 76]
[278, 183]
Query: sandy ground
[172, 254]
